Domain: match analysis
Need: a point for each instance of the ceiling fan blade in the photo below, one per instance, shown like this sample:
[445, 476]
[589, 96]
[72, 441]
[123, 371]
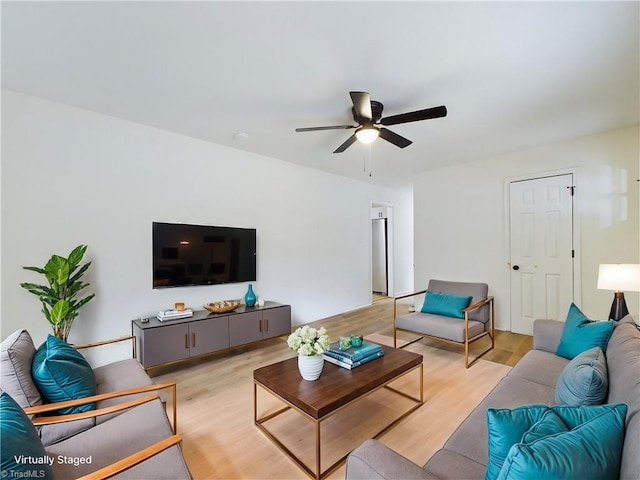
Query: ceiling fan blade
[346, 144]
[332, 127]
[426, 114]
[362, 105]
[397, 140]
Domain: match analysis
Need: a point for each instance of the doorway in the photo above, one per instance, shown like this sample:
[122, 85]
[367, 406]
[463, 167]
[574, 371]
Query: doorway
[379, 272]
[541, 249]
[381, 251]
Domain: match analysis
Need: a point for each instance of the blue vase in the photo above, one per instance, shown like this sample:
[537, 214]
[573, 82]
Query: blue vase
[250, 297]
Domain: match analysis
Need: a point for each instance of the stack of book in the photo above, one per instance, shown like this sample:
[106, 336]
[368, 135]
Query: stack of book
[174, 314]
[354, 356]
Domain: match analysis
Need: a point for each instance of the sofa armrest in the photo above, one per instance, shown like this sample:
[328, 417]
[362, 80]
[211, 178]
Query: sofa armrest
[546, 335]
[133, 460]
[373, 460]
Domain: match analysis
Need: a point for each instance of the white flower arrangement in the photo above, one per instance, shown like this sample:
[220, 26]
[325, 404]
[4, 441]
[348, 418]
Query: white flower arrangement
[309, 341]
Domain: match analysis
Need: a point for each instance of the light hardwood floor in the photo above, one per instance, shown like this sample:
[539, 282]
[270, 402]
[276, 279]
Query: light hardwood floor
[215, 404]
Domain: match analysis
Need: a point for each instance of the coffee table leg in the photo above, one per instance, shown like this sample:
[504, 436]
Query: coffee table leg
[318, 469]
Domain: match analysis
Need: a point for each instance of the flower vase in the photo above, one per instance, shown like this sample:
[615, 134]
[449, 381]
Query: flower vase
[310, 366]
[250, 297]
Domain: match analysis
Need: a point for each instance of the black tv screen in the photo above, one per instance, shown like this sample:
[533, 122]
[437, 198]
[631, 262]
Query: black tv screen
[185, 255]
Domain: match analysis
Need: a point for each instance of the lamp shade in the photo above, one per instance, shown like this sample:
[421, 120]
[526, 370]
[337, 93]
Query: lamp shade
[367, 134]
[619, 277]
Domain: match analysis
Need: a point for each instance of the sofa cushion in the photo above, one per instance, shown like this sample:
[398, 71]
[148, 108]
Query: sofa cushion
[584, 380]
[438, 326]
[16, 355]
[445, 304]
[61, 373]
[447, 463]
[580, 334]
[470, 438]
[120, 375]
[21, 447]
[124, 435]
[589, 450]
[539, 367]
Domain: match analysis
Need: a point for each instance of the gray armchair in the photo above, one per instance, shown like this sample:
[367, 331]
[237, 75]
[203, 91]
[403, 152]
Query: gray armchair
[477, 319]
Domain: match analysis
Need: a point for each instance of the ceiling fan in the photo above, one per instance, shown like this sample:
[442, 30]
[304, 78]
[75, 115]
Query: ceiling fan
[368, 114]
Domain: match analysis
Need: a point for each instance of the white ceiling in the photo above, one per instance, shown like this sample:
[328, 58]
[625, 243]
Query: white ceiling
[513, 75]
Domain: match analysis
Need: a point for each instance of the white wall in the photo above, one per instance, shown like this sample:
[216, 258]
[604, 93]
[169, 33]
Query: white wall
[460, 216]
[73, 177]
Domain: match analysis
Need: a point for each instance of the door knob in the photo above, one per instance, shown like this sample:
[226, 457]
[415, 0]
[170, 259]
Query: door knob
[516, 267]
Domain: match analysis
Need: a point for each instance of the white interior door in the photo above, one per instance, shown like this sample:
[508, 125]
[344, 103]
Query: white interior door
[541, 247]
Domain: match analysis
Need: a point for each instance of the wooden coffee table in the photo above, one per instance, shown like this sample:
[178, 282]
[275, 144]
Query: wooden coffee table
[336, 389]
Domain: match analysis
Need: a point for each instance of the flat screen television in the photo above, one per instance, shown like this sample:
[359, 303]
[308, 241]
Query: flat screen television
[186, 255]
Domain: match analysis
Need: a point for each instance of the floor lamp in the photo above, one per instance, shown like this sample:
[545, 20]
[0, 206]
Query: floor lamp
[619, 277]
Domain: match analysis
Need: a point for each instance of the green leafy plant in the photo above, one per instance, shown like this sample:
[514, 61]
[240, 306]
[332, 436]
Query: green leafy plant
[60, 302]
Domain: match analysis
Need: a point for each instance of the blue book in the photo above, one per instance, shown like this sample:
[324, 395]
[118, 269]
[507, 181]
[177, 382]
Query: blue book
[329, 357]
[353, 354]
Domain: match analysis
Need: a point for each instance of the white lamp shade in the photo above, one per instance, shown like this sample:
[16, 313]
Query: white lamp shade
[619, 277]
[367, 134]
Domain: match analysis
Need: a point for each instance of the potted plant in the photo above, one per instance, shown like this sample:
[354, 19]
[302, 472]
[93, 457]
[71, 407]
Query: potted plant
[60, 300]
[310, 343]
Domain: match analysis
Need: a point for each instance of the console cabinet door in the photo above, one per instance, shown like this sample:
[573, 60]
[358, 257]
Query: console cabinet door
[210, 335]
[245, 328]
[165, 344]
[276, 321]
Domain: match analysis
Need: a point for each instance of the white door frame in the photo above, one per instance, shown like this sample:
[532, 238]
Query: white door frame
[577, 260]
[390, 274]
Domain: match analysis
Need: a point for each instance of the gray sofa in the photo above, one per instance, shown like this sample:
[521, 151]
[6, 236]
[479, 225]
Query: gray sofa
[531, 381]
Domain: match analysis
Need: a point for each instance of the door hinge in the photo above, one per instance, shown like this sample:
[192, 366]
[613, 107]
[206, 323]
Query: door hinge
[573, 253]
[572, 189]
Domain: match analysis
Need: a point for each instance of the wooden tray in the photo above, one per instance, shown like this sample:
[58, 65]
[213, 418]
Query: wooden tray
[222, 307]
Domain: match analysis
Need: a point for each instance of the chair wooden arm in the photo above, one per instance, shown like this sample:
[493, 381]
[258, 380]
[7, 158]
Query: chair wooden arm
[409, 295]
[105, 396]
[94, 413]
[107, 342]
[399, 297]
[132, 460]
[478, 304]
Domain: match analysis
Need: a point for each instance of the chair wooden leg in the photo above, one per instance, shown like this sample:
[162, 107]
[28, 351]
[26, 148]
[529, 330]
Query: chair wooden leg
[466, 354]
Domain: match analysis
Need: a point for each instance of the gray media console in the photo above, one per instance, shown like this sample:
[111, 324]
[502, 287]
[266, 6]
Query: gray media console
[160, 343]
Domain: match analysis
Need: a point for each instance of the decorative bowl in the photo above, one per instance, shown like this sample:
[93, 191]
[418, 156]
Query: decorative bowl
[222, 307]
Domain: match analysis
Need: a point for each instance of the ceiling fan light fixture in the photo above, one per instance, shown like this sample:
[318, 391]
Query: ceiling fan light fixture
[367, 134]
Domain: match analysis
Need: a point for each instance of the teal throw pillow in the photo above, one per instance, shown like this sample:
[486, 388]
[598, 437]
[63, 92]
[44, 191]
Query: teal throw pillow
[584, 381]
[506, 428]
[23, 455]
[61, 373]
[591, 450]
[445, 304]
[580, 334]
[550, 424]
